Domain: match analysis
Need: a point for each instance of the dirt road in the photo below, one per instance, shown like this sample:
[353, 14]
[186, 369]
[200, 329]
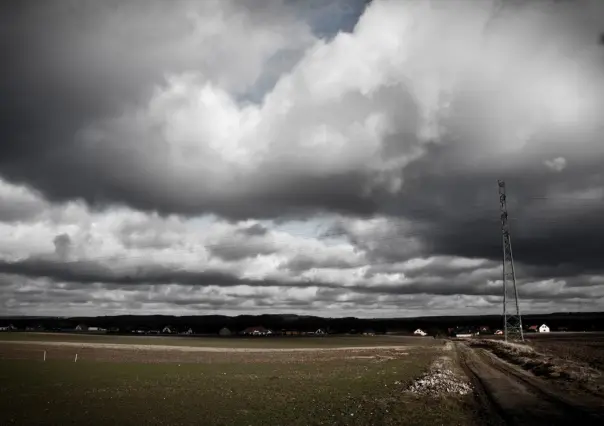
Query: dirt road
[511, 396]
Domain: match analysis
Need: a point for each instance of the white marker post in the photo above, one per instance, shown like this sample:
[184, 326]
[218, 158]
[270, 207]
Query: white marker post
[76, 358]
[44, 355]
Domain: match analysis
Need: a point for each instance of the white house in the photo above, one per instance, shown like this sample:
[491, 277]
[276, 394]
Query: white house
[167, 330]
[543, 329]
[420, 332]
[257, 331]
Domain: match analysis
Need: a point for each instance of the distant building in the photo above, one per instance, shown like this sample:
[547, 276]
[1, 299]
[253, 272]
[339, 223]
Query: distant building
[320, 332]
[224, 332]
[95, 329]
[420, 332]
[543, 329]
[463, 332]
[81, 327]
[167, 330]
[257, 331]
[369, 332]
[498, 332]
[533, 328]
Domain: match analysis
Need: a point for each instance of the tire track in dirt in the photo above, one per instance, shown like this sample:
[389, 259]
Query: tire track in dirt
[513, 397]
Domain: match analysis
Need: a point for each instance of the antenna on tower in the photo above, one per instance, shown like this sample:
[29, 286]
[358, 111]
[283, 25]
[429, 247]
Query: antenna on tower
[512, 321]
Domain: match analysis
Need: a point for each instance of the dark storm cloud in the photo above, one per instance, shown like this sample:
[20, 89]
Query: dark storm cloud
[231, 251]
[254, 230]
[79, 275]
[300, 263]
[62, 245]
[94, 272]
[71, 67]
[68, 64]
[549, 228]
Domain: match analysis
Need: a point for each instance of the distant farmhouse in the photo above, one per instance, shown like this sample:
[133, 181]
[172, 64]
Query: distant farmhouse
[420, 332]
[257, 331]
[539, 329]
[224, 332]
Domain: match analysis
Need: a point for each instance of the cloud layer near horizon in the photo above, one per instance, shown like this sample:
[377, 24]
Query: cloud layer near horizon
[188, 158]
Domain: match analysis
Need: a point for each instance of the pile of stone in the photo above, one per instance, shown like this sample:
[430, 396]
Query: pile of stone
[440, 380]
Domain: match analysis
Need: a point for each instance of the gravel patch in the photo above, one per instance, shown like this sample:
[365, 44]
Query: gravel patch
[440, 380]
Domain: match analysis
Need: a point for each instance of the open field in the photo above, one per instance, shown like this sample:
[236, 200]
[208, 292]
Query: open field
[222, 342]
[587, 348]
[345, 380]
[319, 387]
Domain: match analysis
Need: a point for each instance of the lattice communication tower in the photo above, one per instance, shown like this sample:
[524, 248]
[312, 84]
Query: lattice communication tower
[512, 320]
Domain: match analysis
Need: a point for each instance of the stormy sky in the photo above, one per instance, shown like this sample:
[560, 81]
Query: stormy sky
[335, 158]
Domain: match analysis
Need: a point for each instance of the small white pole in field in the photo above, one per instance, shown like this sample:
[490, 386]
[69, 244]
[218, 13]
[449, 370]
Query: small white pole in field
[44, 355]
[76, 358]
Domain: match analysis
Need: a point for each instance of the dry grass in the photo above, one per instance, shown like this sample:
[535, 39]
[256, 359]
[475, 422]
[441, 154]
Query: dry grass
[587, 348]
[549, 366]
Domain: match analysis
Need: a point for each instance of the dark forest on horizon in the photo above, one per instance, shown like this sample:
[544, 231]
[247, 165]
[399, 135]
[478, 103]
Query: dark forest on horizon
[212, 324]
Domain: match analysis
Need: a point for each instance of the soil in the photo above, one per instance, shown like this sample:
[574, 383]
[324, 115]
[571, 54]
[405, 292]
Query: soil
[182, 354]
[199, 348]
[512, 396]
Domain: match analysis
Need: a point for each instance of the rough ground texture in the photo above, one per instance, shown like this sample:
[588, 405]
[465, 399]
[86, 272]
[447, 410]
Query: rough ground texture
[514, 396]
[566, 371]
[222, 388]
[179, 354]
[586, 348]
[441, 379]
